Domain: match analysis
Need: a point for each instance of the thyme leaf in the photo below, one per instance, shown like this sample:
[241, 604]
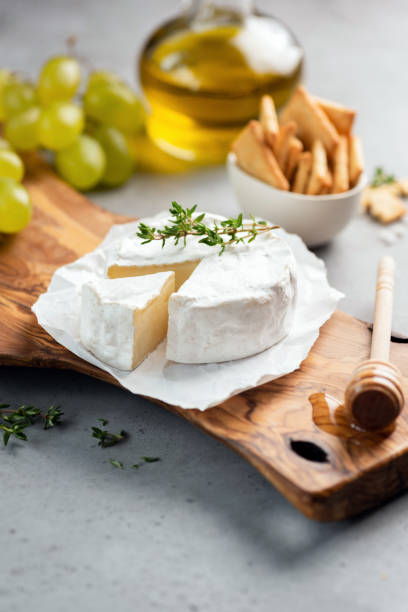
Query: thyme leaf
[52, 417]
[380, 177]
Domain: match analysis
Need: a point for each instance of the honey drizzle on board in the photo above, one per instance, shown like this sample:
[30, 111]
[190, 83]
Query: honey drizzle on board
[328, 415]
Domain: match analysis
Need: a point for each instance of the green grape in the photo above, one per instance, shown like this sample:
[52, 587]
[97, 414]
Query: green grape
[22, 130]
[82, 164]
[17, 97]
[59, 79]
[60, 125]
[15, 206]
[4, 77]
[11, 165]
[4, 144]
[114, 104]
[102, 77]
[119, 163]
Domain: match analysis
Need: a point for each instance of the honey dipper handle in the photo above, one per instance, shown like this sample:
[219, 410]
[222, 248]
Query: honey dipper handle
[380, 344]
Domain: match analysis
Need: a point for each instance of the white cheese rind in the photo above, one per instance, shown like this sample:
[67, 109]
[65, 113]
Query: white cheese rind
[234, 305]
[107, 321]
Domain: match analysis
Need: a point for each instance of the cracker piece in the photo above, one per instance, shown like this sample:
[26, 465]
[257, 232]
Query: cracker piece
[341, 117]
[403, 187]
[370, 193]
[385, 206]
[312, 123]
[256, 158]
[366, 197]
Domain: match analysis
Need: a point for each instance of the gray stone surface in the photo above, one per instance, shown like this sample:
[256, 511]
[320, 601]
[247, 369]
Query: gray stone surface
[199, 530]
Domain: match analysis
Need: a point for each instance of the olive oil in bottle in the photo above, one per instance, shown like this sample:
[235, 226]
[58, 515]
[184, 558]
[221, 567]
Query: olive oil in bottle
[203, 74]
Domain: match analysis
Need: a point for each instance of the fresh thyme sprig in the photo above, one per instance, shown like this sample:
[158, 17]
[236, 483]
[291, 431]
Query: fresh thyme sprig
[183, 224]
[380, 177]
[13, 422]
[106, 438]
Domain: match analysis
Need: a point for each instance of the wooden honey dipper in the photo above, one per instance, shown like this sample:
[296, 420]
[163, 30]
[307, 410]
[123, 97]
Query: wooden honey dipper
[374, 396]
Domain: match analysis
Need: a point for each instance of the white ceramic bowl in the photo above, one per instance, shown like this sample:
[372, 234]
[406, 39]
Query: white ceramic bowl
[317, 219]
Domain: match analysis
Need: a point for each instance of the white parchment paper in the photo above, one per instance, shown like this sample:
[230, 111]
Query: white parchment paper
[191, 386]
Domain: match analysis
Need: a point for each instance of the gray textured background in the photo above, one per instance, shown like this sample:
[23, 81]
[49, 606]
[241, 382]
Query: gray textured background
[200, 530]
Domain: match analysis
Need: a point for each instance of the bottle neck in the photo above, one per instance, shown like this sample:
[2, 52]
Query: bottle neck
[208, 11]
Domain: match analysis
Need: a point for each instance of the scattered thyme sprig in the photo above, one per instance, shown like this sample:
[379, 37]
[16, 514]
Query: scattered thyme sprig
[106, 438]
[380, 177]
[146, 460]
[13, 422]
[118, 464]
[230, 231]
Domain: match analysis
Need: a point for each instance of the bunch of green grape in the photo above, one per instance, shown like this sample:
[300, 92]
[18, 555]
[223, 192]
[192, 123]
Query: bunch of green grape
[87, 134]
[15, 206]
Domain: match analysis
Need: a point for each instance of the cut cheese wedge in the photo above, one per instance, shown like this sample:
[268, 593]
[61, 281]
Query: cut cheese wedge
[234, 305]
[123, 320]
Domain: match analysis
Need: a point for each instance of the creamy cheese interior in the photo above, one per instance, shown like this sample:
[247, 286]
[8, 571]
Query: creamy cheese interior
[182, 270]
[150, 324]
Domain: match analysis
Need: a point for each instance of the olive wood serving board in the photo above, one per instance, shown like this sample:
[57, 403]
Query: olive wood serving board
[327, 469]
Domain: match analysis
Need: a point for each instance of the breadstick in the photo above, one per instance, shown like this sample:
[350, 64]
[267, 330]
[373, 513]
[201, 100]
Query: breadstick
[295, 149]
[356, 160]
[319, 175]
[302, 173]
[286, 133]
[340, 167]
[269, 120]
